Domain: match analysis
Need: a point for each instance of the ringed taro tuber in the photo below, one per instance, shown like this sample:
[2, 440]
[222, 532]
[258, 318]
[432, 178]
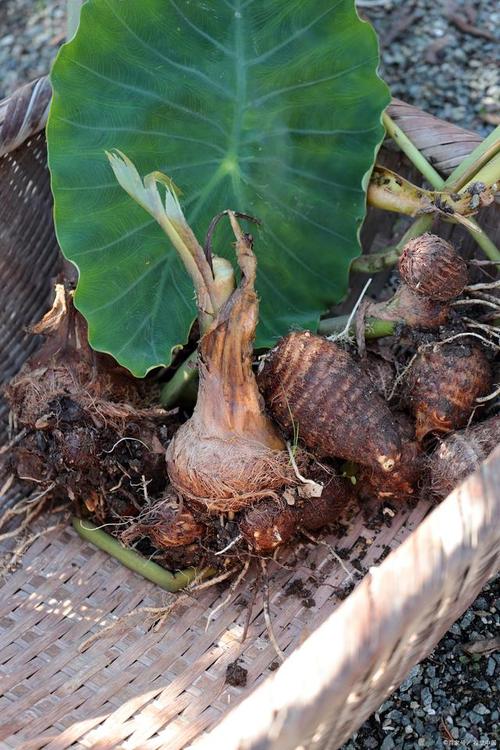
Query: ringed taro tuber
[432, 274]
[461, 453]
[443, 384]
[316, 512]
[404, 481]
[431, 267]
[313, 386]
[269, 523]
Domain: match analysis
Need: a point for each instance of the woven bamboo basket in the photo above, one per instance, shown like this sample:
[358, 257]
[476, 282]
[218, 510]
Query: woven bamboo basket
[416, 569]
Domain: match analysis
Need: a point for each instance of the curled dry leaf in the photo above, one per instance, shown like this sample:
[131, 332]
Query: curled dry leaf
[443, 144]
[484, 647]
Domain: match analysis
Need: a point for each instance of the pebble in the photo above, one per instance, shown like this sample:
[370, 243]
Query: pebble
[481, 709]
[388, 744]
[31, 32]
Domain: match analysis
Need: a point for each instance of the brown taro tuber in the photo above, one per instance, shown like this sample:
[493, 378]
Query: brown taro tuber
[401, 483]
[443, 384]
[316, 512]
[404, 481]
[459, 454]
[268, 524]
[166, 524]
[431, 267]
[381, 373]
[315, 388]
[85, 426]
[411, 309]
[432, 274]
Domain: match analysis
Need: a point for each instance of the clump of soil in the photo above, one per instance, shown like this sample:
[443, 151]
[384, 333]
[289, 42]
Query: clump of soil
[236, 675]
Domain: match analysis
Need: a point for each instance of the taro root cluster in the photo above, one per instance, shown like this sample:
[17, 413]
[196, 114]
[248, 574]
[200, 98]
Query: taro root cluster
[261, 459]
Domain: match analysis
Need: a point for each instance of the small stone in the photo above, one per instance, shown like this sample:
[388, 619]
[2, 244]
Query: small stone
[409, 729]
[467, 619]
[395, 715]
[481, 709]
[388, 744]
[419, 726]
[426, 696]
[469, 739]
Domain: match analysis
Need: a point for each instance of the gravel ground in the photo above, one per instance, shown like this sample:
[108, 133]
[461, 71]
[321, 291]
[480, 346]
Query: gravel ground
[451, 699]
[442, 56]
[31, 31]
[432, 60]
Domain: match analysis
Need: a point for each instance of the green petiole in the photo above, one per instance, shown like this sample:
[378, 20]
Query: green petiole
[133, 561]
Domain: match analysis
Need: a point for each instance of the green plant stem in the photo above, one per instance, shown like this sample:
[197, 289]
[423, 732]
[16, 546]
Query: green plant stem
[132, 560]
[485, 243]
[457, 179]
[183, 379]
[469, 166]
[412, 152]
[376, 262]
[374, 327]
[488, 174]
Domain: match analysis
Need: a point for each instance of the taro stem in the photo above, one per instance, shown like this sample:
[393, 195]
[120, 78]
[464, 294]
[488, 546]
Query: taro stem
[229, 453]
[389, 191]
[214, 282]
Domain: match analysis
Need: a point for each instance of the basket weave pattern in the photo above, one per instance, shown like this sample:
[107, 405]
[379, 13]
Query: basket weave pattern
[140, 688]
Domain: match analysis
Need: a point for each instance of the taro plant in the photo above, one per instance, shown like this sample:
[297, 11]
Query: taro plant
[173, 121]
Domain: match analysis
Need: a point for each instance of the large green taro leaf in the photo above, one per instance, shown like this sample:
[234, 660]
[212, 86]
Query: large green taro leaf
[271, 108]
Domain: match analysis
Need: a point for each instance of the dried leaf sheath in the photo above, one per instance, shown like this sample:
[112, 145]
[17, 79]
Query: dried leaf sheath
[229, 454]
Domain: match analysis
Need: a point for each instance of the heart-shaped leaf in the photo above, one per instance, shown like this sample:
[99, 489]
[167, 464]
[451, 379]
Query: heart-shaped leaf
[270, 108]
